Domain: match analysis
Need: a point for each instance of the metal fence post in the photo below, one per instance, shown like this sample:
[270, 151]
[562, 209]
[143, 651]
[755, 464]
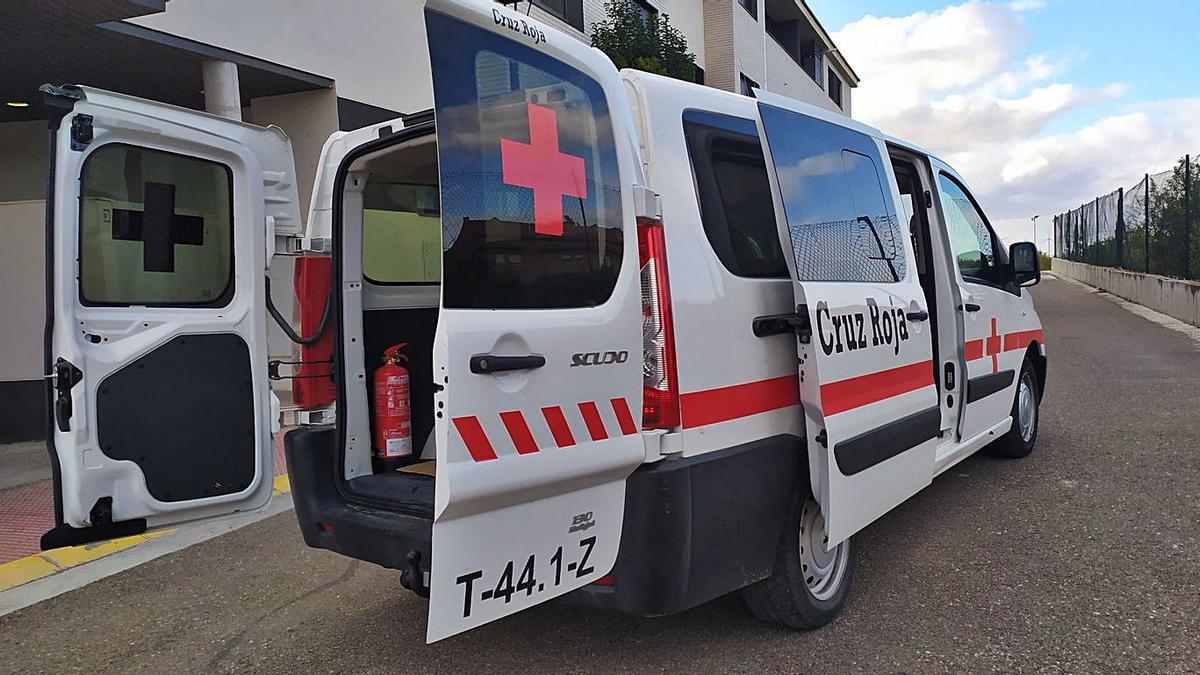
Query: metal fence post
[1096, 229]
[1187, 216]
[1146, 217]
[1120, 235]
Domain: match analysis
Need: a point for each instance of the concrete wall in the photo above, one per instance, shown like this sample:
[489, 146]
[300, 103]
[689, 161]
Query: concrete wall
[1173, 297]
[22, 289]
[785, 76]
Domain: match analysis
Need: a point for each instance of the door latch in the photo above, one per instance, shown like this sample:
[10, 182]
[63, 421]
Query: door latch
[63, 379]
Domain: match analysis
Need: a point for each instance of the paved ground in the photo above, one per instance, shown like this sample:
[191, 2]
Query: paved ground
[1083, 557]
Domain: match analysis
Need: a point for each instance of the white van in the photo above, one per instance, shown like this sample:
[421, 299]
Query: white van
[677, 342]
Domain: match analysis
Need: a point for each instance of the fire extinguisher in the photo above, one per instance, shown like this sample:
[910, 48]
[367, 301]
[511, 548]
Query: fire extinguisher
[393, 418]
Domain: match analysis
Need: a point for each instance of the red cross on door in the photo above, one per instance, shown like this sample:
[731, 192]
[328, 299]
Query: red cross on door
[992, 347]
[540, 167]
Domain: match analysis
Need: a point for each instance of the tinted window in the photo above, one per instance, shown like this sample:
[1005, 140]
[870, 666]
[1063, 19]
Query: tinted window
[402, 233]
[734, 192]
[155, 228]
[971, 240]
[842, 222]
[530, 189]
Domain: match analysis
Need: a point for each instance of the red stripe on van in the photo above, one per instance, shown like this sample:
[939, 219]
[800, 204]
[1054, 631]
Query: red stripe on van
[558, 426]
[624, 417]
[1022, 339]
[711, 406]
[591, 417]
[519, 432]
[855, 392]
[476, 440]
[973, 349]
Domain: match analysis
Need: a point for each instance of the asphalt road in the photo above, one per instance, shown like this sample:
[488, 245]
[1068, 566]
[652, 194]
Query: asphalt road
[1083, 557]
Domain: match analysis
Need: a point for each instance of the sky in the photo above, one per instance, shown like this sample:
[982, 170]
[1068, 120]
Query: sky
[1041, 105]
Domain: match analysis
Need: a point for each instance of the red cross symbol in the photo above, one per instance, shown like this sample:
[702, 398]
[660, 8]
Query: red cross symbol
[540, 167]
[992, 347]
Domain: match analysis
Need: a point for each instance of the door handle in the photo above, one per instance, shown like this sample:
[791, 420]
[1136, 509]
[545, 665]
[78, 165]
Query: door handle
[781, 324]
[969, 306]
[482, 364]
[919, 315]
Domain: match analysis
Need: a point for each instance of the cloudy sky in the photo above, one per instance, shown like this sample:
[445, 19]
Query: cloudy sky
[1040, 104]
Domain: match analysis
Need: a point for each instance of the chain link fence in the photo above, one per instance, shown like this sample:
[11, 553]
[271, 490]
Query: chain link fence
[1152, 227]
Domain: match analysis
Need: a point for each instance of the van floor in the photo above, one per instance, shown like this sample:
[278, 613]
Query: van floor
[410, 488]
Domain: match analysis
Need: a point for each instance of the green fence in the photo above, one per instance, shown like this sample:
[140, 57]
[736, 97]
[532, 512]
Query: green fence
[1153, 226]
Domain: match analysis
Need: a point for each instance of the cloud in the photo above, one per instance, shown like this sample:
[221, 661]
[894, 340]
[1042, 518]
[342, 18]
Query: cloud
[957, 81]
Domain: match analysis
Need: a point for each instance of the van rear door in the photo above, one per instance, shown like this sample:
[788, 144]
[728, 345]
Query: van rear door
[161, 221]
[537, 355]
[866, 362]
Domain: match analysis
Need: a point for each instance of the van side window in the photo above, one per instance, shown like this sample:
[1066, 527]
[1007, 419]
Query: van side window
[734, 192]
[842, 222]
[971, 239]
[530, 188]
[156, 228]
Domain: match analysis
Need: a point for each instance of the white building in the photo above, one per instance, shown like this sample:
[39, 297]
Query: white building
[310, 67]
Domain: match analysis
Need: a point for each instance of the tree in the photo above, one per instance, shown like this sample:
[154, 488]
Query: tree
[634, 39]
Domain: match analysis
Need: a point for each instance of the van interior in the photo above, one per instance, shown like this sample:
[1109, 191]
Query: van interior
[390, 247]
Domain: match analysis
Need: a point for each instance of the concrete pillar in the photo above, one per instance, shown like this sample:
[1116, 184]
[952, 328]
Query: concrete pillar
[222, 94]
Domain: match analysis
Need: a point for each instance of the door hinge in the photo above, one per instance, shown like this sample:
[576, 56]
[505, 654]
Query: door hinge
[822, 438]
[780, 324]
[647, 204]
[81, 131]
[63, 379]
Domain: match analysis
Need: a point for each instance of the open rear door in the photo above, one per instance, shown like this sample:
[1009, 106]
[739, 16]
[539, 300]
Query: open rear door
[537, 357]
[160, 221]
[866, 363]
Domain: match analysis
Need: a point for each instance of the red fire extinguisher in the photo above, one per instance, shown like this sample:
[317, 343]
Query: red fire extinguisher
[393, 419]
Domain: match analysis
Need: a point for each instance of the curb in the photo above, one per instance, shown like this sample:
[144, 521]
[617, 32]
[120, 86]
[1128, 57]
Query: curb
[48, 563]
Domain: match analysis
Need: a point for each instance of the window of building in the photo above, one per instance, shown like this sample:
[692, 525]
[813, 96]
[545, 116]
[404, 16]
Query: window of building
[750, 6]
[746, 86]
[835, 87]
[156, 228]
[530, 186]
[402, 234]
[570, 11]
[972, 241]
[734, 193]
[647, 10]
[842, 222]
[812, 60]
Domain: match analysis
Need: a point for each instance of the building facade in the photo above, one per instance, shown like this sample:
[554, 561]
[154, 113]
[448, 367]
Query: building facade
[310, 67]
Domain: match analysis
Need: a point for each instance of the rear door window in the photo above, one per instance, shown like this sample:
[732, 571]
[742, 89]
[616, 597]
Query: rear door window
[734, 192]
[530, 189]
[156, 228]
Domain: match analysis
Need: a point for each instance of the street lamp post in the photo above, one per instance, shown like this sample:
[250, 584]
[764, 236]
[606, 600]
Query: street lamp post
[1034, 219]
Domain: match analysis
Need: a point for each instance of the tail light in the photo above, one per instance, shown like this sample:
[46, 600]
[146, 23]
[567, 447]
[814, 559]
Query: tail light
[313, 383]
[660, 382]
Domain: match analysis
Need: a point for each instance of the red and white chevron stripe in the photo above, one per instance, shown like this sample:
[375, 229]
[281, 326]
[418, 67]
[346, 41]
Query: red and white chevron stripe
[587, 418]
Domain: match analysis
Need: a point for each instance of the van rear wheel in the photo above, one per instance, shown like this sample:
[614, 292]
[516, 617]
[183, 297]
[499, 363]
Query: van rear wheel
[810, 583]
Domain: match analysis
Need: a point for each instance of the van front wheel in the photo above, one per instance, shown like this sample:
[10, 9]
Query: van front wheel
[810, 583]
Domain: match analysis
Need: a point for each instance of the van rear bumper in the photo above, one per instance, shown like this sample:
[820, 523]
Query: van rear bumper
[329, 521]
[697, 528]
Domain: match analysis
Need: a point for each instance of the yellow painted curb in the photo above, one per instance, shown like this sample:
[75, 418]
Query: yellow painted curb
[39, 565]
[33, 567]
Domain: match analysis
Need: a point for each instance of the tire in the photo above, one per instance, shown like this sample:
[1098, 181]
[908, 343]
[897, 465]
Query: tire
[792, 596]
[1021, 438]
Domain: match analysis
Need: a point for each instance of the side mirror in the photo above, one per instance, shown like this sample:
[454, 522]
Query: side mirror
[1026, 263]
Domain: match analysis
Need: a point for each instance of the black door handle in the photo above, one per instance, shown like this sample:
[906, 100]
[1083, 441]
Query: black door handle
[920, 315]
[783, 324]
[482, 364]
[970, 307]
